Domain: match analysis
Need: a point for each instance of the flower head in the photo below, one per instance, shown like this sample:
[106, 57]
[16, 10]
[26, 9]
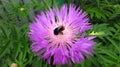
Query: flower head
[22, 9]
[53, 34]
[13, 65]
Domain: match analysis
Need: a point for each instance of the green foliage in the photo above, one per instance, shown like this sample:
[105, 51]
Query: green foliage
[102, 10]
[14, 45]
[109, 51]
[15, 16]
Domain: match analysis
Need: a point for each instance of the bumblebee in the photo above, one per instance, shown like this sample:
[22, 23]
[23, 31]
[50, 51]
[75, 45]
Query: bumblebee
[59, 30]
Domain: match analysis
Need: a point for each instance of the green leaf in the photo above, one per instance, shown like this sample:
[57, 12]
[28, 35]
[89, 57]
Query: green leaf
[95, 12]
[16, 32]
[5, 31]
[94, 61]
[107, 59]
[17, 50]
[114, 43]
[108, 53]
[4, 50]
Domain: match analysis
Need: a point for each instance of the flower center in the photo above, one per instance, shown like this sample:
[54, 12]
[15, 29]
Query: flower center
[59, 30]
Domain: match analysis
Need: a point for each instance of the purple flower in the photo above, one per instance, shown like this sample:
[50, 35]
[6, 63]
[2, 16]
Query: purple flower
[53, 34]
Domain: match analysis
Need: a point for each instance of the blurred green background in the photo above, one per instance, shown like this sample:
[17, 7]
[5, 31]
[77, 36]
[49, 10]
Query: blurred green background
[15, 16]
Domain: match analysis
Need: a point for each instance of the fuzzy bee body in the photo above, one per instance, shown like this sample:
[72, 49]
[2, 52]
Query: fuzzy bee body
[59, 30]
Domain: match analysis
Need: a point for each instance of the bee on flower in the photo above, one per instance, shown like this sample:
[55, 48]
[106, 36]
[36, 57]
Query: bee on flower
[53, 35]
